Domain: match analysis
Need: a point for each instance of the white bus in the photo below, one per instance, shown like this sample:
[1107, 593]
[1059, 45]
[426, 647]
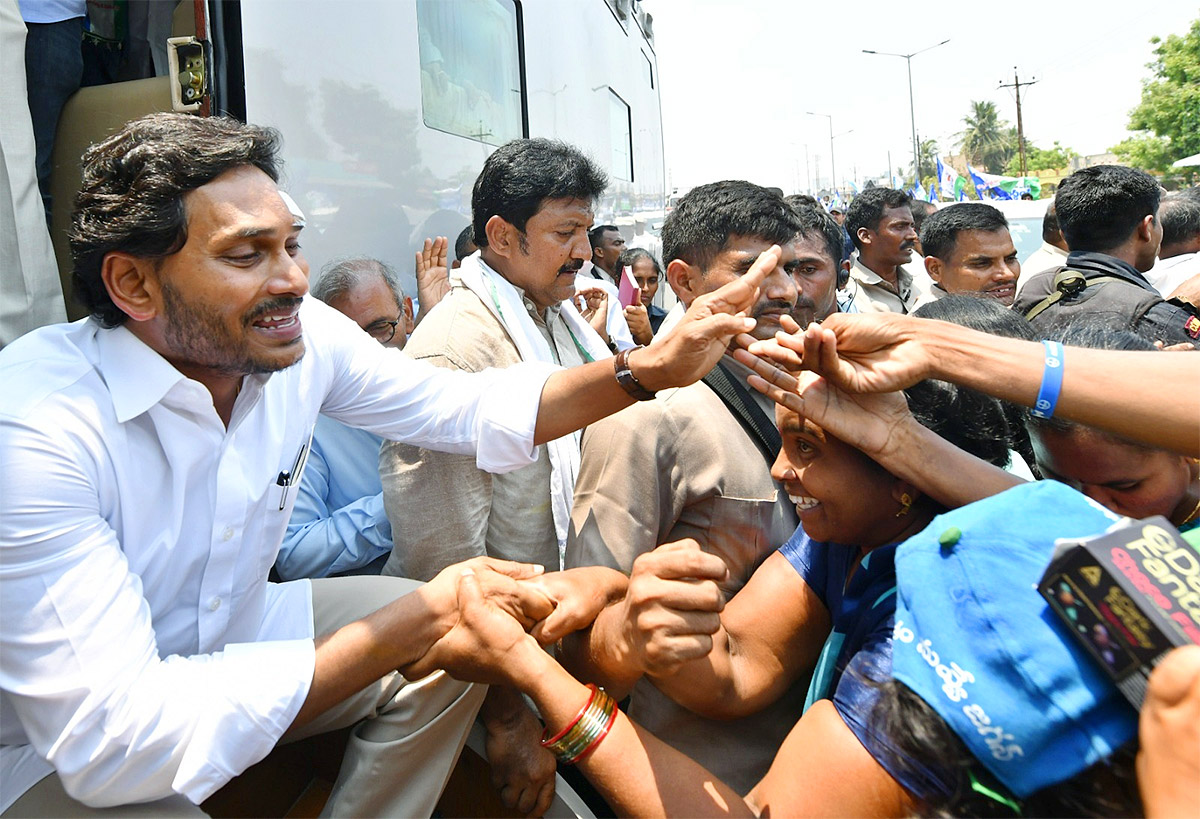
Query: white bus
[388, 108]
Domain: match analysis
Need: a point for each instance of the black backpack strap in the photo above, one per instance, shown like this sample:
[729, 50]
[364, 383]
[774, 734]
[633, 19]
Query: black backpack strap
[1067, 282]
[741, 403]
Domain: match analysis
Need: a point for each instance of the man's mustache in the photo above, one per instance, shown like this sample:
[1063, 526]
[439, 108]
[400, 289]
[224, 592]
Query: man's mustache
[571, 267]
[774, 304]
[283, 304]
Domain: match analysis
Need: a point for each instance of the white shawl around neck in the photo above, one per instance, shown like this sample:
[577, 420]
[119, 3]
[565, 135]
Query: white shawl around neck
[505, 303]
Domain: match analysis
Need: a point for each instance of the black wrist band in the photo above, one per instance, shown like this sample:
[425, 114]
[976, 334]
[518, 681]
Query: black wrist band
[626, 378]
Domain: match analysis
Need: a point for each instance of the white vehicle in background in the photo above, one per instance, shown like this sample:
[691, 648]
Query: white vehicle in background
[388, 108]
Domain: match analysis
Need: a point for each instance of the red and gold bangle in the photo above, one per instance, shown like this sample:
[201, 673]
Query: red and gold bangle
[583, 733]
[612, 718]
[547, 742]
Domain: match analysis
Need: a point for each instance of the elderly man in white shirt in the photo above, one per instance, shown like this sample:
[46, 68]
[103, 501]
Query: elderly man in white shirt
[150, 459]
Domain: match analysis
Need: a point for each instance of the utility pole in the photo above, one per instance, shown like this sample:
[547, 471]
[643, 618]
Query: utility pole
[1016, 85]
[912, 109]
[832, 164]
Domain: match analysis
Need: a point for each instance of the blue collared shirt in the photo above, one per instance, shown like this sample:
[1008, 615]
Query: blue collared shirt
[338, 523]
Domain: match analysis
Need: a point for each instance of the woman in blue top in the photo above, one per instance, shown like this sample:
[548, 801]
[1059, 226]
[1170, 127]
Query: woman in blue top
[821, 604]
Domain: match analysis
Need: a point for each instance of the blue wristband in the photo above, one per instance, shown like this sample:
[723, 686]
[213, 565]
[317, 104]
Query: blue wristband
[1052, 378]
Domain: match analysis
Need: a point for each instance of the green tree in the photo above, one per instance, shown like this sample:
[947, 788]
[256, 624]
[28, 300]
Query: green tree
[987, 140]
[1039, 159]
[1167, 120]
[927, 152]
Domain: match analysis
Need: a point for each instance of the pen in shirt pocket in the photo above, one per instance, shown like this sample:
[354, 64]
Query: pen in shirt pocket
[288, 479]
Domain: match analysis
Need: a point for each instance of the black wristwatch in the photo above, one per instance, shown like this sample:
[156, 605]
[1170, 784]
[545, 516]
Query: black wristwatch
[626, 378]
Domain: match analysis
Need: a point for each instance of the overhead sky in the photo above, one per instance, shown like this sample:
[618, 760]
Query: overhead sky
[736, 79]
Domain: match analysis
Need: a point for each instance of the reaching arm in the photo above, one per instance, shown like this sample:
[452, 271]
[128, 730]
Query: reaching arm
[720, 660]
[400, 634]
[884, 352]
[754, 658]
[821, 769]
[574, 398]
[880, 425]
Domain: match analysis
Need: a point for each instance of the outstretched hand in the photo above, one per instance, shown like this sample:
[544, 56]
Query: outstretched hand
[697, 342]
[866, 352]
[866, 421]
[433, 276]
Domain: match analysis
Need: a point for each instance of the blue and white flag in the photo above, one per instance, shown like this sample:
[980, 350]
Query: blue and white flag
[950, 183]
[917, 192]
[982, 188]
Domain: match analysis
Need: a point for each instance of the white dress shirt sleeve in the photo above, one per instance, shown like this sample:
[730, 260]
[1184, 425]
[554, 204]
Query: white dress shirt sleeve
[491, 413]
[81, 666]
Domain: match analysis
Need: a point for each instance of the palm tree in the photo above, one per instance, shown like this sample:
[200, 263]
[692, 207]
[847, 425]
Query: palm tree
[927, 150]
[987, 140]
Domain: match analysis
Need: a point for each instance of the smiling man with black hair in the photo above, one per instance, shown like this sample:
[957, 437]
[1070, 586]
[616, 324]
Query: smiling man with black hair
[151, 455]
[968, 249]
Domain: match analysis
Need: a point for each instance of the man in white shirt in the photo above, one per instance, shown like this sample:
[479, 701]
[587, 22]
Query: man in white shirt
[150, 460]
[1179, 253]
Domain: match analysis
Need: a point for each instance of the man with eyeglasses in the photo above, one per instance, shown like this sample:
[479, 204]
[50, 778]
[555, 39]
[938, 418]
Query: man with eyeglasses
[338, 525]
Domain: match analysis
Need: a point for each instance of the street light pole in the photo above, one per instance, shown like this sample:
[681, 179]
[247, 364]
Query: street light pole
[912, 116]
[832, 164]
[912, 110]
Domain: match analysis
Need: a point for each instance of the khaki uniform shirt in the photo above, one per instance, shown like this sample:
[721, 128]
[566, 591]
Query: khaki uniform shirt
[683, 466]
[874, 295]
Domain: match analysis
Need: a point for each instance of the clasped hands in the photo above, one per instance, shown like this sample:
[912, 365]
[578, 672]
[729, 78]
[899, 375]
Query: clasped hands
[493, 609]
[499, 612]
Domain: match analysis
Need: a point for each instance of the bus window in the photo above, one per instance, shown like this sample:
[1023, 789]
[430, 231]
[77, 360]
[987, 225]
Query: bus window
[470, 69]
[620, 138]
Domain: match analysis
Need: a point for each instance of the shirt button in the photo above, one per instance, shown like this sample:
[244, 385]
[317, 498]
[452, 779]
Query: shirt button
[950, 538]
[214, 604]
[227, 534]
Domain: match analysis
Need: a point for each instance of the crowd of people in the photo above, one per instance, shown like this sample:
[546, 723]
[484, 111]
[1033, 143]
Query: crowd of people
[769, 552]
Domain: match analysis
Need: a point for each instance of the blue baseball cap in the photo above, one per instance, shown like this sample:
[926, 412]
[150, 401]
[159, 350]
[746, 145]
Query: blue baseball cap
[975, 640]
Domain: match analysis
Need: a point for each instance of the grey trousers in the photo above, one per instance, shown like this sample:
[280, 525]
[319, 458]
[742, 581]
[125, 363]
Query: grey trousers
[406, 739]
